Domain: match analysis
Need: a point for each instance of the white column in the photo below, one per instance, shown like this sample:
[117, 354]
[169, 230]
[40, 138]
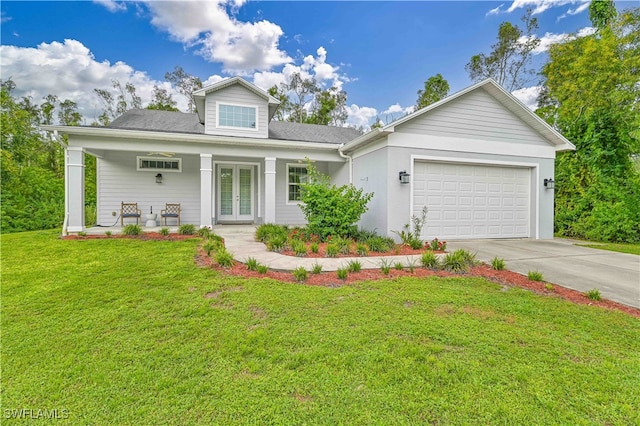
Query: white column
[206, 191]
[74, 189]
[269, 190]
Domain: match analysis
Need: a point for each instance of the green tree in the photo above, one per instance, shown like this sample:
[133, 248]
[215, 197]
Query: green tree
[509, 59]
[435, 89]
[602, 13]
[162, 100]
[116, 105]
[328, 107]
[185, 83]
[591, 94]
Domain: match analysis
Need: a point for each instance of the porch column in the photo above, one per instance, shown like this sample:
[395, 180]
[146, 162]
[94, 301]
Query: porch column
[269, 190]
[206, 191]
[74, 189]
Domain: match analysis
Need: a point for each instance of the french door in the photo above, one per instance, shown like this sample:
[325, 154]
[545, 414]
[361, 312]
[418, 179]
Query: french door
[235, 193]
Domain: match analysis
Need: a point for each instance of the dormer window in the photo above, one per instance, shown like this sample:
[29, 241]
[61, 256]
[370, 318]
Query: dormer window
[237, 116]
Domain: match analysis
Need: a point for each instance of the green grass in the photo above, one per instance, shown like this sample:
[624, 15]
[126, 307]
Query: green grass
[132, 332]
[619, 247]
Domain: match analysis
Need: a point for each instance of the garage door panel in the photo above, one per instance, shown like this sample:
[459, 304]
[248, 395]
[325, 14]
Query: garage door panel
[472, 201]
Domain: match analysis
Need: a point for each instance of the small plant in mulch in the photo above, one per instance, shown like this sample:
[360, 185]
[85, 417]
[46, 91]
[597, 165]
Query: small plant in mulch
[342, 273]
[132, 229]
[460, 261]
[315, 247]
[437, 245]
[548, 287]
[411, 265]
[535, 276]
[398, 266]
[300, 274]
[332, 250]
[187, 229]
[593, 294]
[430, 260]
[108, 234]
[204, 232]
[316, 268]
[82, 234]
[299, 248]
[385, 266]
[252, 264]
[362, 249]
[354, 266]
[262, 269]
[223, 257]
[212, 246]
[164, 232]
[277, 243]
[498, 264]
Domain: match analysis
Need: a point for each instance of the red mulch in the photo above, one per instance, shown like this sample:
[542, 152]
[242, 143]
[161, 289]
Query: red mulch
[507, 278]
[145, 236]
[400, 249]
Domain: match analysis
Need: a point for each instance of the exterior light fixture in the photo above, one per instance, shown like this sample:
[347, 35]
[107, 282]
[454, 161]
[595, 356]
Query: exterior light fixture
[404, 177]
[159, 178]
[549, 184]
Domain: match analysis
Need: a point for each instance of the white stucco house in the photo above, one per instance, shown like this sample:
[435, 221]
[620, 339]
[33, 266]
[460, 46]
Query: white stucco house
[478, 160]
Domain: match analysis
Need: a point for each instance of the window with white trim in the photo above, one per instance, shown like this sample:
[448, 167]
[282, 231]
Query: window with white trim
[159, 164]
[296, 175]
[238, 116]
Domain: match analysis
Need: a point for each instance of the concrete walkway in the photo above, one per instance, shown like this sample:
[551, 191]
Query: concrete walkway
[616, 275]
[239, 240]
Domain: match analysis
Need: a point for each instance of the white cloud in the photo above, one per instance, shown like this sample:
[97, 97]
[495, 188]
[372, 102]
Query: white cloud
[112, 5]
[528, 96]
[360, 116]
[550, 38]
[4, 18]
[539, 6]
[397, 109]
[241, 47]
[70, 71]
[494, 11]
[213, 79]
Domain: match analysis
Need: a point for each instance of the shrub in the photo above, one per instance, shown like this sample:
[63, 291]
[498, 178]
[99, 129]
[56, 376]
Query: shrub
[535, 275]
[437, 245]
[223, 258]
[549, 286]
[498, 264]
[187, 229]
[262, 269]
[354, 266]
[204, 232]
[316, 268]
[385, 266]
[300, 274]
[277, 243]
[330, 209]
[342, 273]
[460, 261]
[211, 246]
[164, 231]
[332, 250]
[108, 233]
[380, 244]
[315, 248]
[398, 266]
[299, 248]
[430, 260]
[593, 294]
[132, 229]
[413, 238]
[267, 231]
[252, 264]
[362, 249]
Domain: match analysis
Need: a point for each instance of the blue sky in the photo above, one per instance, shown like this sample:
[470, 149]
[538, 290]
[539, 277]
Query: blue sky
[380, 53]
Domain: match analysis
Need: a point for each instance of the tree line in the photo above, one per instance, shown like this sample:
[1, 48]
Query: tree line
[590, 92]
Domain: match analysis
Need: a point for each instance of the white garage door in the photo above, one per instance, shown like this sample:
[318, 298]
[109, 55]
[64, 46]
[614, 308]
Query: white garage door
[472, 201]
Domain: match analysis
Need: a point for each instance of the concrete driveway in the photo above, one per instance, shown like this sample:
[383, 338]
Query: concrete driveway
[616, 275]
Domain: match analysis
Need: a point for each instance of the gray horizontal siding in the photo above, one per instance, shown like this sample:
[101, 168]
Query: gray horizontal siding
[118, 180]
[476, 115]
[236, 95]
[289, 214]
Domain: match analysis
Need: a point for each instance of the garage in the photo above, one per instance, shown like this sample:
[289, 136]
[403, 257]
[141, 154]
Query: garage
[472, 200]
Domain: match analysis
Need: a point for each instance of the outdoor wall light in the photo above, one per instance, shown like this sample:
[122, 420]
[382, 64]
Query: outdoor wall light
[549, 184]
[159, 178]
[404, 177]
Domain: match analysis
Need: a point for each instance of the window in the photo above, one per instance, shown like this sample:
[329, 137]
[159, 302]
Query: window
[296, 175]
[160, 164]
[243, 117]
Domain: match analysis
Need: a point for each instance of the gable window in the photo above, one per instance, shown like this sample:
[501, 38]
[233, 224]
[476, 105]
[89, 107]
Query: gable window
[296, 175]
[237, 116]
[159, 164]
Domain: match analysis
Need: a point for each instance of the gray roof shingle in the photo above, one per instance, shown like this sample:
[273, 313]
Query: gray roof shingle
[180, 122]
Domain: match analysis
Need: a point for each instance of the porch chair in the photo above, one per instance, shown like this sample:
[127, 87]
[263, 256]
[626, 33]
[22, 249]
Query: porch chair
[129, 210]
[171, 210]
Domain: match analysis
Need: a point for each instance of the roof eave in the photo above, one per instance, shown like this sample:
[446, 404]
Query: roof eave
[369, 137]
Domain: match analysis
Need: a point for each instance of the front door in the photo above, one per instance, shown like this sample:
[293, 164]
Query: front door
[235, 193]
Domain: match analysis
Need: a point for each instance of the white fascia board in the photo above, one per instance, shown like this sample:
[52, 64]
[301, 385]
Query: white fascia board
[187, 137]
[366, 138]
[476, 146]
[236, 80]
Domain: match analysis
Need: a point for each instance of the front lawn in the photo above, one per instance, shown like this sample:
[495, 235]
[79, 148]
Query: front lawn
[619, 247]
[133, 332]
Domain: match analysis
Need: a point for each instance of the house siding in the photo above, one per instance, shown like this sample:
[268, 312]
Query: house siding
[370, 173]
[120, 181]
[476, 116]
[236, 94]
[289, 214]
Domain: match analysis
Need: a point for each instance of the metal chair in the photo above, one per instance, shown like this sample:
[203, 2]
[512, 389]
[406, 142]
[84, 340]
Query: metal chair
[171, 211]
[129, 210]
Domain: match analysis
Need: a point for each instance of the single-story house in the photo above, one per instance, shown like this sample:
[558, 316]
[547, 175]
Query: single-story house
[479, 160]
